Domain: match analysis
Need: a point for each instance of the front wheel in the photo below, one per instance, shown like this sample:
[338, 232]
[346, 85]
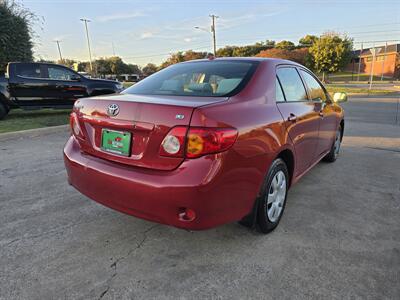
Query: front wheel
[273, 196]
[334, 152]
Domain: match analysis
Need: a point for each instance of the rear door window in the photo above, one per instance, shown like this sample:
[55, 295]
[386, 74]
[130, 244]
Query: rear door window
[59, 73]
[279, 97]
[292, 85]
[315, 90]
[28, 70]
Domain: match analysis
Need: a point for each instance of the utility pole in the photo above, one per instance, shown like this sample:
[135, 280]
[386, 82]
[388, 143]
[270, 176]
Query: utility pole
[59, 50]
[88, 42]
[359, 63]
[213, 17]
[383, 61]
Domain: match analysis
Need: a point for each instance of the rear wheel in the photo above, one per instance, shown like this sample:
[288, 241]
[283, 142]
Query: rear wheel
[334, 152]
[271, 203]
[3, 111]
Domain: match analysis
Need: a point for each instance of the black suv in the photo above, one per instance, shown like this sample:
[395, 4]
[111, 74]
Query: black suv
[44, 85]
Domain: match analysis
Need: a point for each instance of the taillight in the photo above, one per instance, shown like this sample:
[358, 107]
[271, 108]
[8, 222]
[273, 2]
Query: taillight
[75, 128]
[197, 142]
[201, 141]
[174, 143]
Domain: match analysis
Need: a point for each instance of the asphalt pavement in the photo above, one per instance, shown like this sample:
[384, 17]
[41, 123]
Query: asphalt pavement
[339, 237]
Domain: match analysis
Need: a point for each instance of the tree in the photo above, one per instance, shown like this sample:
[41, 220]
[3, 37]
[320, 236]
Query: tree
[133, 69]
[331, 53]
[247, 50]
[182, 56]
[149, 69]
[285, 45]
[15, 32]
[297, 55]
[67, 62]
[308, 40]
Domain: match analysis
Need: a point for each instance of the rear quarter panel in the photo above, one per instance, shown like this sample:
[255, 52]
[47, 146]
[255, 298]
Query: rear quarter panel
[262, 135]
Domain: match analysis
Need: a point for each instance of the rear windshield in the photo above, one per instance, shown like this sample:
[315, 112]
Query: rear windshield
[202, 79]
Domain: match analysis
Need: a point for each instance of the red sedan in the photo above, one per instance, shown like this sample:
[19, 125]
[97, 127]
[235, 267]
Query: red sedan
[205, 142]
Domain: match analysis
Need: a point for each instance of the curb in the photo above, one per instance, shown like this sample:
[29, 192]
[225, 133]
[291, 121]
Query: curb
[33, 132]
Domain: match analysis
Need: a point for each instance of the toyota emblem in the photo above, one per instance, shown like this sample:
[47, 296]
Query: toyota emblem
[113, 110]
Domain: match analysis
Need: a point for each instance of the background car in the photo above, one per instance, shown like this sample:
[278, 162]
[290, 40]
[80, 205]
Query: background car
[43, 85]
[204, 143]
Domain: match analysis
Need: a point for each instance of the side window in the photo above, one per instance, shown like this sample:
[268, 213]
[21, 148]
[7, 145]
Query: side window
[315, 90]
[279, 97]
[60, 73]
[28, 70]
[291, 84]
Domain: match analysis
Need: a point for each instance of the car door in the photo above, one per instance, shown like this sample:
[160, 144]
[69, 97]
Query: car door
[64, 85]
[328, 120]
[301, 117]
[28, 85]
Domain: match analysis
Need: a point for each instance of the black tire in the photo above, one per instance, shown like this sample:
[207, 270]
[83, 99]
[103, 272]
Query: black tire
[264, 222]
[3, 111]
[334, 152]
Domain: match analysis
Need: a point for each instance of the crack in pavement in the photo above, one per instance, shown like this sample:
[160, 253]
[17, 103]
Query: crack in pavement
[118, 260]
[384, 149]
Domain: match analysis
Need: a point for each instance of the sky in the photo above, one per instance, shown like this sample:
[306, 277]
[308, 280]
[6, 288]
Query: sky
[148, 31]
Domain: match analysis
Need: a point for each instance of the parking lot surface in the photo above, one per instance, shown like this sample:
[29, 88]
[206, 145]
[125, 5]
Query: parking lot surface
[339, 236]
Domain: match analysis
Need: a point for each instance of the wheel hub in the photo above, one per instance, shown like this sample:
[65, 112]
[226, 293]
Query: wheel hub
[276, 196]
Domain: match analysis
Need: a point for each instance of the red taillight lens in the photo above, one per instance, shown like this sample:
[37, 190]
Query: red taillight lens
[198, 141]
[75, 128]
[201, 141]
[173, 144]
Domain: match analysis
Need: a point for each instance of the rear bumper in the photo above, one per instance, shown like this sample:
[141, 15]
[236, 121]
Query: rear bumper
[217, 193]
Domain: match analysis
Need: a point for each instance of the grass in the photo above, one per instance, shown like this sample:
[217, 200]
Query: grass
[348, 77]
[337, 88]
[128, 84]
[19, 119]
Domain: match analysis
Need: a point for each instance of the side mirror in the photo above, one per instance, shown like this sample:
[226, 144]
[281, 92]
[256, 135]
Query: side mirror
[75, 77]
[339, 97]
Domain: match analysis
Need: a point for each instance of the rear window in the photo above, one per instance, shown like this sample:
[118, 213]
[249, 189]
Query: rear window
[202, 79]
[28, 70]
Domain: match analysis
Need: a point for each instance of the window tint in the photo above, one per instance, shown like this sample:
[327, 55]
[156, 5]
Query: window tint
[291, 84]
[60, 73]
[279, 97]
[28, 70]
[315, 90]
[203, 78]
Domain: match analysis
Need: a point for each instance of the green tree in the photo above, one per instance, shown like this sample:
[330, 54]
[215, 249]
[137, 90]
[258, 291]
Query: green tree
[308, 40]
[67, 62]
[331, 53]
[149, 69]
[15, 32]
[133, 69]
[285, 45]
[247, 50]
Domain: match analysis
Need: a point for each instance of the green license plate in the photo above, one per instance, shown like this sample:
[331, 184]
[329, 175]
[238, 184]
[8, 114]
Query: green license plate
[117, 142]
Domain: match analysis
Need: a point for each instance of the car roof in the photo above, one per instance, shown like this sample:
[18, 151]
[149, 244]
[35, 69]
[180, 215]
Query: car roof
[272, 61]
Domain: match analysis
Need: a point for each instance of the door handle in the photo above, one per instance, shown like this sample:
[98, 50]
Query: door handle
[292, 118]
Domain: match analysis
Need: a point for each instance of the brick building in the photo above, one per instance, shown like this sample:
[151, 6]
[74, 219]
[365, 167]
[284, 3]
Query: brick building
[386, 62]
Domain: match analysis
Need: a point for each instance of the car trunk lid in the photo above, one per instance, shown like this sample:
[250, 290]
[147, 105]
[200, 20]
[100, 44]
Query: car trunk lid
[145, 120]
